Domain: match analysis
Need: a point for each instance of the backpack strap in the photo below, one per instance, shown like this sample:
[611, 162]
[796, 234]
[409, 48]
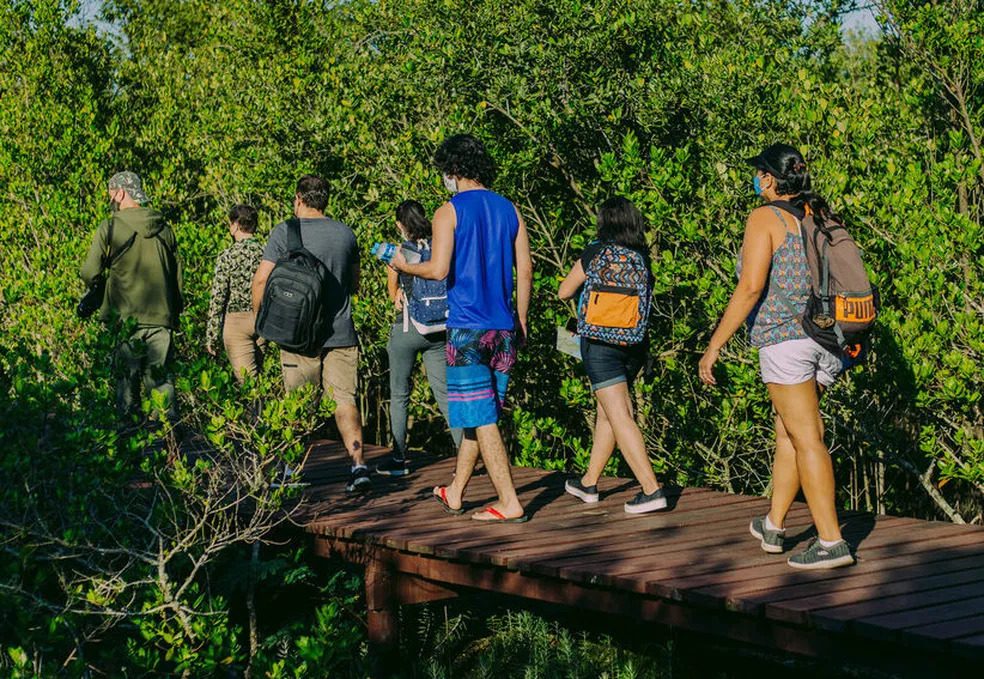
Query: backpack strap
[406, 312]
[294, 241]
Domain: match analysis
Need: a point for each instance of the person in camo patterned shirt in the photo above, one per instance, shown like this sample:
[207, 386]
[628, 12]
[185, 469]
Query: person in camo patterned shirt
[230, 312]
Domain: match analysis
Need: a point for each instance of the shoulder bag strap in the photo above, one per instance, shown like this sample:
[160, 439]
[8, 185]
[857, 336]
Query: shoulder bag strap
[294, 241]
[108, 250]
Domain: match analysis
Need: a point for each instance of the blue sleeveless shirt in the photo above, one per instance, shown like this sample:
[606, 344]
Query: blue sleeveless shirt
[480, 282]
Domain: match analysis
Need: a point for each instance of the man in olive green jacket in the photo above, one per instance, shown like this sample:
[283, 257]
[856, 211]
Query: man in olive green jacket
[143, 283]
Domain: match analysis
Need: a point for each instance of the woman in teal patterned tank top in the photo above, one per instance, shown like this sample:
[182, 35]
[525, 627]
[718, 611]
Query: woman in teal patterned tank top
[771, 295]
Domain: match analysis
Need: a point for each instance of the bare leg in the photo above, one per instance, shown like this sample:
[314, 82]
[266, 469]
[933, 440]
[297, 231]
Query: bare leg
[463, 469]
[785, 476]
[350, 427]
[602, 448]
[496, 461]
[618, 408]
[799, 408]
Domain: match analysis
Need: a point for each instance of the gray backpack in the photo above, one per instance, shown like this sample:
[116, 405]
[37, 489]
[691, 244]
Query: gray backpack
[843, 303]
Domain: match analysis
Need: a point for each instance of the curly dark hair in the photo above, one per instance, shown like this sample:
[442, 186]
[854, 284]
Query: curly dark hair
[245, 216]
[411, 214]
[465, 156]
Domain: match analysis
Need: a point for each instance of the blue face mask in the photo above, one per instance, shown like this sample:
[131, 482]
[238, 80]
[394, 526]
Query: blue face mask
[757, 185]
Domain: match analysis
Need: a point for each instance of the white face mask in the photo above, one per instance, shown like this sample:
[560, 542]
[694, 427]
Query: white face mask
[450, 183]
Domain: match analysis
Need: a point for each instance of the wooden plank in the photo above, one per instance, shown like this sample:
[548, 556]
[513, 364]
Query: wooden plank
[571, 535]
[723, 529]
[681, 551]
[759, 592]
[839, 616]
[886, 626]
[563, 518]
[951, 629]
[880, 544]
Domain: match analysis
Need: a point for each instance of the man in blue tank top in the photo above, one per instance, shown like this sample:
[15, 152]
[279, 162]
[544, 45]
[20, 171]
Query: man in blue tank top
[479, 239]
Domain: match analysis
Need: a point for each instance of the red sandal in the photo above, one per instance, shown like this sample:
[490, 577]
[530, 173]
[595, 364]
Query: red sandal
[441, 495]
[498, 517]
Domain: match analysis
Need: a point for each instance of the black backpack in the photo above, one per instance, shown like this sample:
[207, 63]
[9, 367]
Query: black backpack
[294, 311]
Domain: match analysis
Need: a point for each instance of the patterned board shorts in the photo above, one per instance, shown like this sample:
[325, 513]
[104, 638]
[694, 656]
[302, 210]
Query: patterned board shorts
[479, 362]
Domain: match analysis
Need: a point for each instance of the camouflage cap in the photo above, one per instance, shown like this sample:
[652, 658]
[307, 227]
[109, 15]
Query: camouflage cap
[130, 182]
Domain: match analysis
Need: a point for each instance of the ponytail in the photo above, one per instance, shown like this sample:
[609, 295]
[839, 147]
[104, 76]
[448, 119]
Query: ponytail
[794, 179]
[814, 204]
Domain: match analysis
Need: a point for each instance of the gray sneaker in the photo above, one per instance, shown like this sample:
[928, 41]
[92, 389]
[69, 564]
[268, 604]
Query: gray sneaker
[771, 539]
[817, 556]
[643, 503]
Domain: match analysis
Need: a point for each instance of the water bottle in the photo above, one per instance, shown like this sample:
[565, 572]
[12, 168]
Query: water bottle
[384, 252]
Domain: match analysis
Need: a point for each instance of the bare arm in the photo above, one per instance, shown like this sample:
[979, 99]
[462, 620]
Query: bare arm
[393, 288]
[756, 258]
[392, 283]
[442, 248]
[575, 279]
[524, 273]
[259, 283]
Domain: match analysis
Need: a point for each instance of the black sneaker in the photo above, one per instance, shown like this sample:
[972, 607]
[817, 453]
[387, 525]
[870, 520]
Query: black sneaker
[394, 466]
[359, 481]
[585, 493]
[643, 503]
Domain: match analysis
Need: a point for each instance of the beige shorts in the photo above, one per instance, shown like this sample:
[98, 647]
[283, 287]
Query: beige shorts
[797, 361]
[336, 370]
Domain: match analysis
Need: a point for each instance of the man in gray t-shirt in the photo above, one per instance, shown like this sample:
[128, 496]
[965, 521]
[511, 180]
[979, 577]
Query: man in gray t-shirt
[334, 244]
[335, 370]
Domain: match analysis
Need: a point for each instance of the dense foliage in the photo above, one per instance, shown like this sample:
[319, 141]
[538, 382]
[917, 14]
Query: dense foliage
[658, 100]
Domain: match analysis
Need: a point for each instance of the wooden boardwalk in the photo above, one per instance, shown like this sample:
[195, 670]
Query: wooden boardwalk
[914, 602]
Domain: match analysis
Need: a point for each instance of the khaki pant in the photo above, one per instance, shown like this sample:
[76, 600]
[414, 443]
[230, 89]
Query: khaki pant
[335, 371]
[242, 344]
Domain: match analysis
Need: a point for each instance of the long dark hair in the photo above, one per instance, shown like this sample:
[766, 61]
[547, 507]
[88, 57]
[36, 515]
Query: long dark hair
[787, 165]
[411, 214]
[620, 222]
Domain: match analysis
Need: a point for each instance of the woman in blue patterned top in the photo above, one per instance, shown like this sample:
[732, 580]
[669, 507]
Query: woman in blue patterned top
[771, 295]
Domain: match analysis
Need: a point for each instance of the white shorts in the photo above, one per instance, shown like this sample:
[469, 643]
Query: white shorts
[797, 361]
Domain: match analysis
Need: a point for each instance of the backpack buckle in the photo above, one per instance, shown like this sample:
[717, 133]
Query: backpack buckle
[823, 321]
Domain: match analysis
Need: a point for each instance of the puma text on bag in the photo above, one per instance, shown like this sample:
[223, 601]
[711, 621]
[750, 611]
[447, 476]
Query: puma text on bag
[294, 309]
[614, 304]
[843, 303]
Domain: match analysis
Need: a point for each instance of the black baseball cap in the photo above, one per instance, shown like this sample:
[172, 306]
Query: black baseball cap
[771, 159]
